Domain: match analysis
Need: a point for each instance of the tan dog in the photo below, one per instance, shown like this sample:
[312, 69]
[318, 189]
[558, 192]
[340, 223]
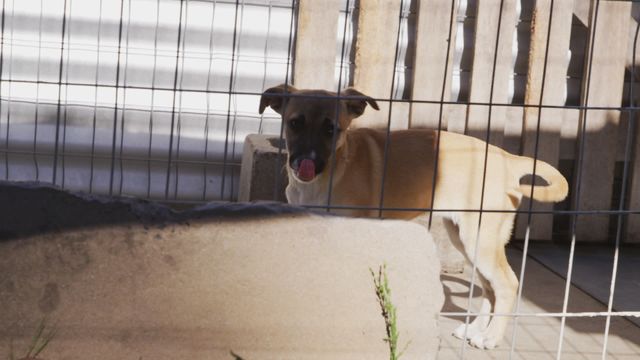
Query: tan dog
[358, 162]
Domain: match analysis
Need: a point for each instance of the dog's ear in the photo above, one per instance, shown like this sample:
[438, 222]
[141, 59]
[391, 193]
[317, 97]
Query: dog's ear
[357, 105]
[276, 97]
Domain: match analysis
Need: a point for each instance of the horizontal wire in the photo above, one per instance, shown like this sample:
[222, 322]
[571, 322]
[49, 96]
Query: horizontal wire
[190, 55]
[128, 108]
[118, 157]
[329, 97]
[418, 209]
[585, 314]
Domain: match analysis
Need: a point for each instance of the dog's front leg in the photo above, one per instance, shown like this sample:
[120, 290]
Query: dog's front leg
[481, 322]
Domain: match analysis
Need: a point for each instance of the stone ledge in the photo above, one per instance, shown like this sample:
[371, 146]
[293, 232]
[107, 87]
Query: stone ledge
[266, 281]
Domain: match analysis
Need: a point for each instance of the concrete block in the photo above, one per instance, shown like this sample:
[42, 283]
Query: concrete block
[259, 170]
[451, 260]
[266, 281]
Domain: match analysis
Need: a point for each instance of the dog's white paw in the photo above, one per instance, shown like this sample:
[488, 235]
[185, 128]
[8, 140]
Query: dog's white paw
[483, 341]
[471, 331]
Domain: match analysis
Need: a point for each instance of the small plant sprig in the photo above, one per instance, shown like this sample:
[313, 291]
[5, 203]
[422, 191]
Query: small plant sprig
[236, 356]
[39, 342]
[383, 292]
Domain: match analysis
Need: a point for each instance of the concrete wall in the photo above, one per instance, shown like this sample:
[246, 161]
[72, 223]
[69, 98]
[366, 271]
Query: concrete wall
[265, 281]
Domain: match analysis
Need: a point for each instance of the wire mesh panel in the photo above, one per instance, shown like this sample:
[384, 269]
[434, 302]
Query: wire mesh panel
[144, 98]
[542, 111]
[154, 99]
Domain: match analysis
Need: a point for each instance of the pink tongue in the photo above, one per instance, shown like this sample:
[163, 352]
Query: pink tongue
[307, 170]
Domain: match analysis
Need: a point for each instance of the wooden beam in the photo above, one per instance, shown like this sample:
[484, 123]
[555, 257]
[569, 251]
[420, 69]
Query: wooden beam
[554, 43]
[484, 52]
[378, 22]
[609, 35]
[315, 53]
[432, 41]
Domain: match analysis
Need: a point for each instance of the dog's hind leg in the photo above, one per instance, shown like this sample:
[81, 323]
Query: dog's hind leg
[480, 323]
[493, 265]
[505, 286]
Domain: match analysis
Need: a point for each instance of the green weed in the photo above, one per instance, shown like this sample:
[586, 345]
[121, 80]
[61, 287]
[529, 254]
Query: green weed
[39, 342]
[383, 292]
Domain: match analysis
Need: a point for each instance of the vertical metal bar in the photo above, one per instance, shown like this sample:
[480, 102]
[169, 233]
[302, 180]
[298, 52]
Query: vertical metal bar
[153, 93]
[207, 87]
[95, 101]
[60, 68]
[35, 123]
[66, 98]
[173, 106]
[441, 110]
[388, 135]
[235, 108]
[124, 100]
[484, 179]
[6, 154]
[623, 194]
[115, 105]
[266, 56]
[226, 139]
[336, 117]
[276, 185]
[181, 93]
[576, 204]
[530, 207]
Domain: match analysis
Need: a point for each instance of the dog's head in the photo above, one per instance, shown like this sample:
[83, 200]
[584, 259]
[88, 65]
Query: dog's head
[312, 118]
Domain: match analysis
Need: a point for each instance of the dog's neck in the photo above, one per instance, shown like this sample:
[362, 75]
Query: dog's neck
[306, 193]
[315, 192]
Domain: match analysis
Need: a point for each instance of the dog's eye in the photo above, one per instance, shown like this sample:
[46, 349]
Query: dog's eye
[329, 128]
[296, 123]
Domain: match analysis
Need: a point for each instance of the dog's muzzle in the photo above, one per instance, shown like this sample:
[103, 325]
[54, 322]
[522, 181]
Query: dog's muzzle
[305, 168]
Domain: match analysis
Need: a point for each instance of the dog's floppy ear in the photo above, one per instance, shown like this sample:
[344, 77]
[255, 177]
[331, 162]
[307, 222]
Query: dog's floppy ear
[357, 105]
[275, 97]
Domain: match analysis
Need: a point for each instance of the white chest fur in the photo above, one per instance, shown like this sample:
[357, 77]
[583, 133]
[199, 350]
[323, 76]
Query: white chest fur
[310, 193]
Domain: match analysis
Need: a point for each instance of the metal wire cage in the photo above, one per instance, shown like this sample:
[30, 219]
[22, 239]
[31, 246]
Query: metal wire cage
[140, 98]
[154, 99]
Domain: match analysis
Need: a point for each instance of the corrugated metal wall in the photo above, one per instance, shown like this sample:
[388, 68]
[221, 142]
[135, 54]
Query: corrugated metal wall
[144, 98]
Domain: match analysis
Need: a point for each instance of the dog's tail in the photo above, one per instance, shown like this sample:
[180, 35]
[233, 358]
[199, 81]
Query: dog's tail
[557, 188]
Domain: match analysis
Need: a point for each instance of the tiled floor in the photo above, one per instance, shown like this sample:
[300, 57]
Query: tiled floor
[537, 338]
[592, 269]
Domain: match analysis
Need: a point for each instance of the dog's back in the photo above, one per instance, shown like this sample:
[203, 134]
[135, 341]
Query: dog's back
[409, 170]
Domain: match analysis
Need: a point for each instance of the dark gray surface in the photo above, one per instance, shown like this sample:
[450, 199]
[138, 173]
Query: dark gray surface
[32, 208]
